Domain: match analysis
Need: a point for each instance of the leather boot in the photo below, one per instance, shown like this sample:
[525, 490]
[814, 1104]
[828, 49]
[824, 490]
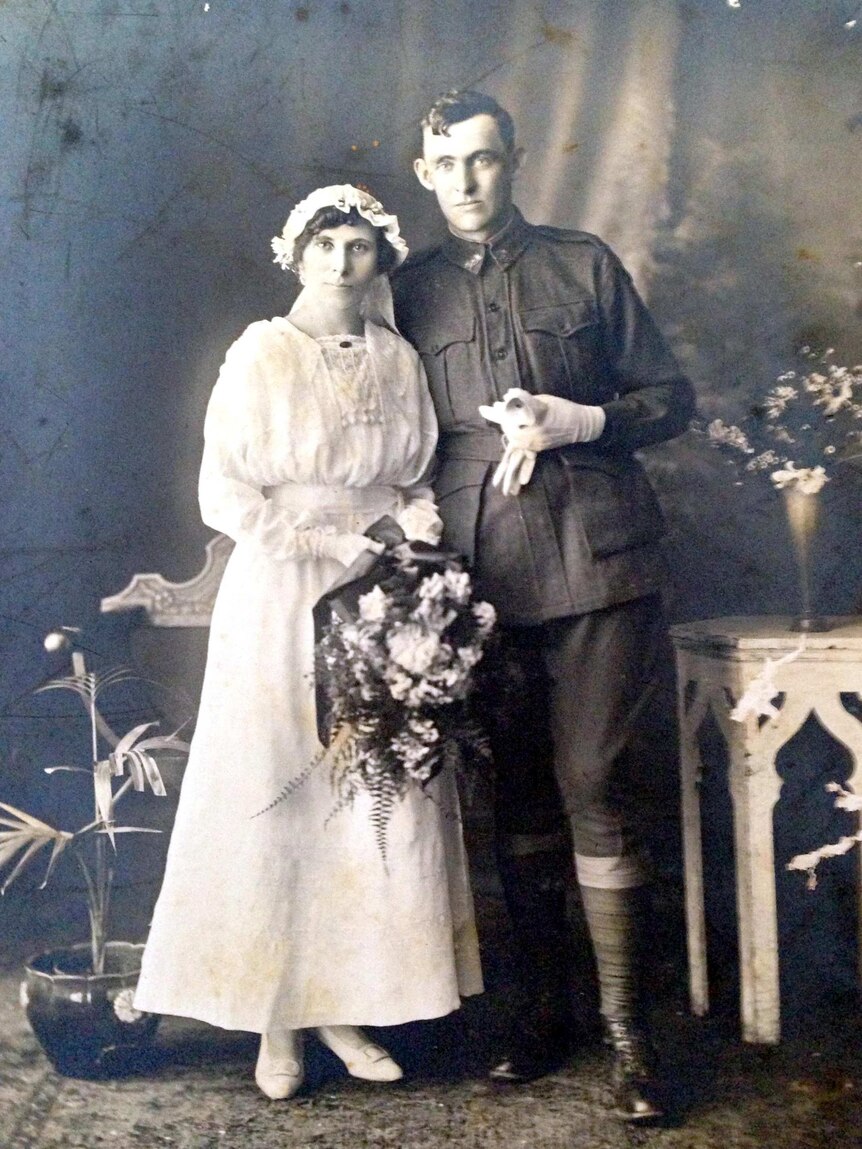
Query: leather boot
[637, 1089]
[535, 889]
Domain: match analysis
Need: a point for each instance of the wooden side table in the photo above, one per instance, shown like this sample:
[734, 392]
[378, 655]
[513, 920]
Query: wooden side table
[717, 660]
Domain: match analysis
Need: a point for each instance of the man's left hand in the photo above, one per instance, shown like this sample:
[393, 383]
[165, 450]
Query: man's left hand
[533, 423]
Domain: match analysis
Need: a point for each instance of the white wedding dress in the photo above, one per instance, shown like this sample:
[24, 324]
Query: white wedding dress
[292, 919]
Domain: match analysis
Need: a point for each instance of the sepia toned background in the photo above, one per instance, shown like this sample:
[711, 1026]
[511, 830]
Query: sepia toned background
[150, 150]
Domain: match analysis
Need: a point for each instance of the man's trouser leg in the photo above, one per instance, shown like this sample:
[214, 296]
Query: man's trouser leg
[602, 672]
[533, 848]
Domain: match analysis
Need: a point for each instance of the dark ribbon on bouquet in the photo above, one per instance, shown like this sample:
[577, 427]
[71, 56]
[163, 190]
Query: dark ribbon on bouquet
[341, 600]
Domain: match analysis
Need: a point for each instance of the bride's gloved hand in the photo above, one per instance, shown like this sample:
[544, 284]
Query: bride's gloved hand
[345, 547]
[533, 423]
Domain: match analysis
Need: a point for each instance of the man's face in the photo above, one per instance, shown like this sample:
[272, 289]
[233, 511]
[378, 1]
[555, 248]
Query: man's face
[470, 171]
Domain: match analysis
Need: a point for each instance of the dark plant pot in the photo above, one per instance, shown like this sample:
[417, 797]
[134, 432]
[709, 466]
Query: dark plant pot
[85, 1022]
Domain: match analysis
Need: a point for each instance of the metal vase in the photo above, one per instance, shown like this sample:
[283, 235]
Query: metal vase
[803, 510]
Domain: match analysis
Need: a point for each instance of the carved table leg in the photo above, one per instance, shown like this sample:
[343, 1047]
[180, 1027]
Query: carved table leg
[691, 715]
[754, 789]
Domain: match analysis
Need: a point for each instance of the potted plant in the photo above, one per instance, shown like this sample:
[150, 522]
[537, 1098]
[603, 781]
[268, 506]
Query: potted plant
[79, 998]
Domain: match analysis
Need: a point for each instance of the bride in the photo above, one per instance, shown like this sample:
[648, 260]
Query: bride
[319, 423]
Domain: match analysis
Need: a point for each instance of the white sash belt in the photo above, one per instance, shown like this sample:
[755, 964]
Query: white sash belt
[324, 500]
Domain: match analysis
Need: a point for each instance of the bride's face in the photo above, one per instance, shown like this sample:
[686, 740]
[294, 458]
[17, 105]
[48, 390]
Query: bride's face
[340, 262]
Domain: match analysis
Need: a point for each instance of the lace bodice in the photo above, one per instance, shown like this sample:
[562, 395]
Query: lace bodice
[356, 389]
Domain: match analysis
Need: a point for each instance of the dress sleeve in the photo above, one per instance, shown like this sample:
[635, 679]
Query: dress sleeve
[230, 495]
[419, 519]
[655, 401]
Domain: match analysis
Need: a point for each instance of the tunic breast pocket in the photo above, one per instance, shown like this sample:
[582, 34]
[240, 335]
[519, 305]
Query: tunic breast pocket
[450, 359]
[563, 348]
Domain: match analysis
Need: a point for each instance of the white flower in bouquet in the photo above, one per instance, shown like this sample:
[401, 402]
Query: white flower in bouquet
[400, 683]
[453, 585]
[435, 614]
[373, 606]
[468, 656]
[425, 691]
[414, 648]
[458, 586]
[411, 745]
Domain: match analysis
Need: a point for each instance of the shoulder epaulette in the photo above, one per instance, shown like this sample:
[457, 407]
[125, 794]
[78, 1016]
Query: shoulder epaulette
[568, 235]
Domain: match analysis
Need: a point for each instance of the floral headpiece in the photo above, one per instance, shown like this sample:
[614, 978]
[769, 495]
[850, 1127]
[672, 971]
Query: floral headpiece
[344, 197]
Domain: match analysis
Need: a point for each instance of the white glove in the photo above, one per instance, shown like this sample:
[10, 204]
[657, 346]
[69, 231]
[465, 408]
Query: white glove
[533, 423]
[420, 522]
[345, 547]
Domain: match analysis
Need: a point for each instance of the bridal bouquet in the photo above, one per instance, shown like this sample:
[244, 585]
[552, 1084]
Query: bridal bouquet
[396, 667]
[806, 423]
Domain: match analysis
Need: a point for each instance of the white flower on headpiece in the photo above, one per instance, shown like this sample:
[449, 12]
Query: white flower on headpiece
[344, 197]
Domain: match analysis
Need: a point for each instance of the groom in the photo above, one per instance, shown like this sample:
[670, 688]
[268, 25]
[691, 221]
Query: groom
[562, 528]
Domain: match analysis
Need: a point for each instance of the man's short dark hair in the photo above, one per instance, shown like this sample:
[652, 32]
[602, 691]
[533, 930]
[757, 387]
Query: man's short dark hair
[454, 106]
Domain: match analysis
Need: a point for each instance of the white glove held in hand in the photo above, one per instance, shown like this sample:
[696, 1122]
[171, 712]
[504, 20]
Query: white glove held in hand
[533, 423]
[345, 547]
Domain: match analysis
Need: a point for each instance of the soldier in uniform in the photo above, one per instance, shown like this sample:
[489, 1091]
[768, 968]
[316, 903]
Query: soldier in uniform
[562, 528]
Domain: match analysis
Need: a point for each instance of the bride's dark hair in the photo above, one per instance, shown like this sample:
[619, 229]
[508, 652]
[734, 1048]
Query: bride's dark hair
[327, 217]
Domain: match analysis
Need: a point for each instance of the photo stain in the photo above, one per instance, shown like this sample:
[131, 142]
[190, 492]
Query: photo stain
[71, 133]
[52, 87]
[303, 13]
[554, 35]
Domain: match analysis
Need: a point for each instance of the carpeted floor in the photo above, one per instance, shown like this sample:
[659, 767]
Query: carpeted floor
[197, 1090]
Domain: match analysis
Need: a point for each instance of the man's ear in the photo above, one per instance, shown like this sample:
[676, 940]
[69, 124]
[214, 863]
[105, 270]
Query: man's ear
[420, 167]
[516, 159]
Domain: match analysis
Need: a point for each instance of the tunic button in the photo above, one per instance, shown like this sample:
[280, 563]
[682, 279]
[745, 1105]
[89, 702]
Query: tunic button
[493, 305]
[500, 353]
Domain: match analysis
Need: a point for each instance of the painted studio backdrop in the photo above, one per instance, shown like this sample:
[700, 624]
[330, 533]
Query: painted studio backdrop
[151, 149]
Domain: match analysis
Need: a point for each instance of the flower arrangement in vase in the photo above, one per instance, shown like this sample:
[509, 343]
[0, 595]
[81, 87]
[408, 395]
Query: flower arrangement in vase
[79, 998]
[805, 426]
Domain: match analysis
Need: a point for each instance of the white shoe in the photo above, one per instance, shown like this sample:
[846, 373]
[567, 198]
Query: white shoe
[279, 1071]
[362, 1057]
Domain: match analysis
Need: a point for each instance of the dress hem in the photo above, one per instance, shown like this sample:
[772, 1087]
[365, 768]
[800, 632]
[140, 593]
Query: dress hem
[431, 1014]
